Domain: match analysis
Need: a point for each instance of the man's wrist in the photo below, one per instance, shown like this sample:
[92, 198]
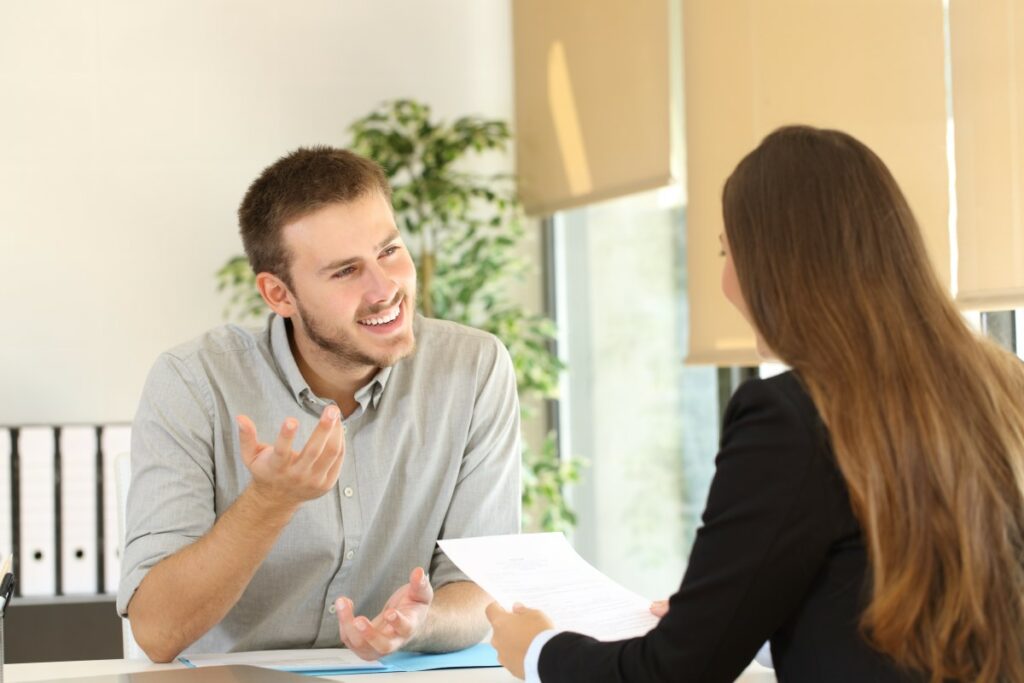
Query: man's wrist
[453, 621]
[269, 505]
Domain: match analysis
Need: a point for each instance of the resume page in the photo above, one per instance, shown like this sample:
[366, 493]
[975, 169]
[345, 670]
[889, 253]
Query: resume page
[542, 571]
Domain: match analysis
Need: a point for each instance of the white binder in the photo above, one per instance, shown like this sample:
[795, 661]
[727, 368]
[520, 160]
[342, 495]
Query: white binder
[37, 563]
[115, 439]
[6, 516]
[78, 510]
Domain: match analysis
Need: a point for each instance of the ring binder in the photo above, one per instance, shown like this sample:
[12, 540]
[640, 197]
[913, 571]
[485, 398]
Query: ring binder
[6, 588]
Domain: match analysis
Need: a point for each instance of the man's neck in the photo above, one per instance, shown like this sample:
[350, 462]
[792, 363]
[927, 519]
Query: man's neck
[325, 376]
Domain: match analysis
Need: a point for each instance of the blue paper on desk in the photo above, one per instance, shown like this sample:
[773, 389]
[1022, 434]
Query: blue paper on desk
[332, 662]
[479, 655]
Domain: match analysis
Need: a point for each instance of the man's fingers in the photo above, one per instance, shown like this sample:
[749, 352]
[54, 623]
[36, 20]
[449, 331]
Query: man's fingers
[315, 444]
[248, 441]
[382, 643]
[419, 586]
[283, 444]
[346, 623]
[494, 611]
[328, 462]
[362, 637]
[350, 631]
[399, 625]
[330, 477]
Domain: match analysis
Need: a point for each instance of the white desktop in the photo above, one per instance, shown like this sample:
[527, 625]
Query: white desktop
[29, 673]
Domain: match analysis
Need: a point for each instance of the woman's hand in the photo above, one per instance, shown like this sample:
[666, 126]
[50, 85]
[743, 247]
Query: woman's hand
[513, 633]
[659, 608]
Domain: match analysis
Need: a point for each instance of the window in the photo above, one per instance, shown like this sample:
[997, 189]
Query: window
[647, 424]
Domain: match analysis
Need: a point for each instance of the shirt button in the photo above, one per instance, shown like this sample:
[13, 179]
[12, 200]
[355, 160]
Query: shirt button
[332, 609]
[348, 491]
[350, 554]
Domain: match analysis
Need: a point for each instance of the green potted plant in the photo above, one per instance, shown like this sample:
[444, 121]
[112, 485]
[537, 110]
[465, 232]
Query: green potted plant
[462, 229]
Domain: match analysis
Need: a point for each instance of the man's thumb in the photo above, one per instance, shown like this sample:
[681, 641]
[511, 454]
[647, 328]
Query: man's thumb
[419, 583]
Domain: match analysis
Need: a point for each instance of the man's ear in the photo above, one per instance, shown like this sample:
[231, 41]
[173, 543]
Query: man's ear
[277, 294]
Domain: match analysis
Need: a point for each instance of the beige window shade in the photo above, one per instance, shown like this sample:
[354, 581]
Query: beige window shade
[987, 45]
[592, 100]
[873, 68]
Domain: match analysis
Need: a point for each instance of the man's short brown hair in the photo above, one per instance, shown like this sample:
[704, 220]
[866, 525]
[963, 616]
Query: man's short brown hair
[297, 185]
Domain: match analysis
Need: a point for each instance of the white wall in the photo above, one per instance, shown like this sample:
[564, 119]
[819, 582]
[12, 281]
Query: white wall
[129, 130]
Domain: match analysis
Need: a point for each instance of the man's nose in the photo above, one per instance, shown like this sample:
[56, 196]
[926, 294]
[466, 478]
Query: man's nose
[381, 289]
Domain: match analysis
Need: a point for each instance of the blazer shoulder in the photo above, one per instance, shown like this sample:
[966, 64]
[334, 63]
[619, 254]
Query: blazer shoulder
[786, 388]
[782, 399]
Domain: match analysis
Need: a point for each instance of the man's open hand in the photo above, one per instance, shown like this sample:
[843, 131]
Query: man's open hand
[283, 476]
[402, 616]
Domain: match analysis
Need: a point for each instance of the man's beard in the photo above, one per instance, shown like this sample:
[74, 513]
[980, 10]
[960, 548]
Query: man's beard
[344, 350]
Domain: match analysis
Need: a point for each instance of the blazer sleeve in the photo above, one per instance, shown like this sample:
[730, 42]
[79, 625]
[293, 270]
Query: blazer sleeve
[763, 539]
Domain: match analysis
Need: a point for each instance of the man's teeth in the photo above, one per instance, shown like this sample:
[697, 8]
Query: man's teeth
[381, 321]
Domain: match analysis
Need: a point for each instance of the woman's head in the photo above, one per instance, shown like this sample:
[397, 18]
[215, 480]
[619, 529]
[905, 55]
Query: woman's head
[818, 231]
[925, 419]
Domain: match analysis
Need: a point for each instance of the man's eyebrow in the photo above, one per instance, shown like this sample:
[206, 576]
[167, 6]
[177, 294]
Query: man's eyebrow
[387, 240]
[338, 265]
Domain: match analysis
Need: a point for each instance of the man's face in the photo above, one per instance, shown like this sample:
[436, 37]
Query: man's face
[354, 283]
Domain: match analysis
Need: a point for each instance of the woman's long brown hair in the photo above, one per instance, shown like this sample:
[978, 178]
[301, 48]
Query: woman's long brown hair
[926, 417]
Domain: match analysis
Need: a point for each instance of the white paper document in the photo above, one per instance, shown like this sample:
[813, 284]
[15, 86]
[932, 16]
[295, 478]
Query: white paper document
[543, 571]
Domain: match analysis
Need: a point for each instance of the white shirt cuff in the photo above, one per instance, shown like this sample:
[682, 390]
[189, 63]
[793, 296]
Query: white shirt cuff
[532, 660]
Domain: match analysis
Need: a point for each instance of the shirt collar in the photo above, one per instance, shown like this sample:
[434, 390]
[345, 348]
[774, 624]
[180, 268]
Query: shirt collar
[281, 347]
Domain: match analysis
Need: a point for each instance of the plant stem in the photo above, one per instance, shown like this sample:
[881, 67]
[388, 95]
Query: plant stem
[426, 278]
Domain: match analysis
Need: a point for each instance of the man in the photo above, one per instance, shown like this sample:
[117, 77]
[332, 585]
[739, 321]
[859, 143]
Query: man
[394, 431]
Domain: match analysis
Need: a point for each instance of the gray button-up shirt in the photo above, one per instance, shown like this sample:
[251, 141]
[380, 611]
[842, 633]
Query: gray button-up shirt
[432, 451]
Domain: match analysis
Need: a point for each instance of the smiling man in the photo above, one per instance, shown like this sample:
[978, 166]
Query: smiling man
[289, 484]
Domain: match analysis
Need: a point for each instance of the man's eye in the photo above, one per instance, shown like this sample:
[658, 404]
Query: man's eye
[344, 272]
[391, 250]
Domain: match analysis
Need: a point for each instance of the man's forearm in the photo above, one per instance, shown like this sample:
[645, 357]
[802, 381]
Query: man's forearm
[186, 594]
[456, 619]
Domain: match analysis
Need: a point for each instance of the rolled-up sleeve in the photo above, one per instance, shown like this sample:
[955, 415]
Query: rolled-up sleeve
[486, 500]
[171, 497]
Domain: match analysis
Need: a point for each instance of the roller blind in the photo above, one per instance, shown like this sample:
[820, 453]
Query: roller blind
[987, 54]
[873, 68]
[592, 100]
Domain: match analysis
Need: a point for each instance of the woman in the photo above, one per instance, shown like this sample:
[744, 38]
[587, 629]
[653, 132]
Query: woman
[867, 510]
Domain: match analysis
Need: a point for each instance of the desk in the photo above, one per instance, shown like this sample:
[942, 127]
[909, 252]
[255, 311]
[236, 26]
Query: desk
[26, 673]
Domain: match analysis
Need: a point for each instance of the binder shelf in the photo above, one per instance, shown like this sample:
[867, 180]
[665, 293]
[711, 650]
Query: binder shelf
[58, 507]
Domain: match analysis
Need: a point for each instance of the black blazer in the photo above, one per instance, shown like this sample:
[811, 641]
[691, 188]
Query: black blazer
[779, 556]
